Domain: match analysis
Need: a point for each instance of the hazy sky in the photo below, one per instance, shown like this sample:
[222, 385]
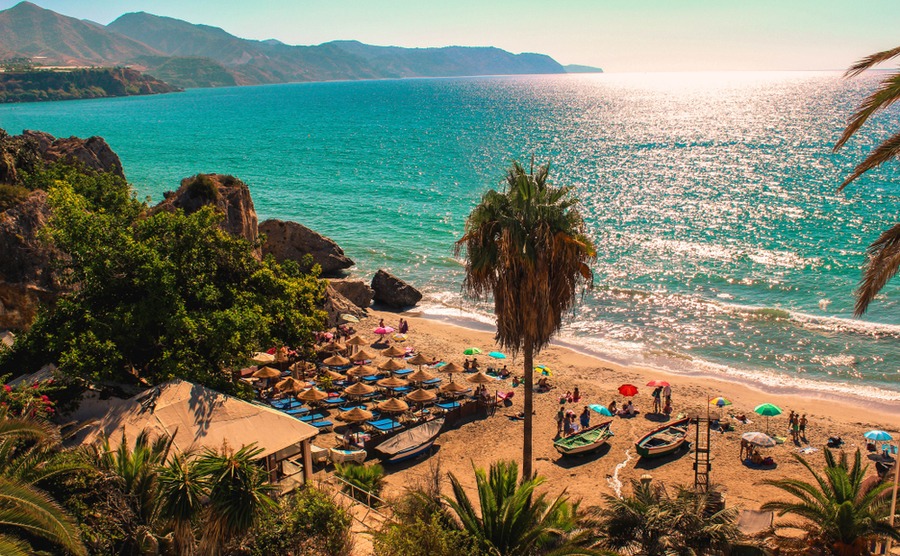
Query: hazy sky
[617, 35]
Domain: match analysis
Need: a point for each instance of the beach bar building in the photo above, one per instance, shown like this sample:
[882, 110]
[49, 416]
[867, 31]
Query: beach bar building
[197, 417]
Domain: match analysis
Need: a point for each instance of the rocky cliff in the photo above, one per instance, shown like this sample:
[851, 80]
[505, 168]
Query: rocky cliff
[290, 240]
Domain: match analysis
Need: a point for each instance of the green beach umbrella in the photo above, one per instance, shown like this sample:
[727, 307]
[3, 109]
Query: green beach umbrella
[768, 410]
[471, 351]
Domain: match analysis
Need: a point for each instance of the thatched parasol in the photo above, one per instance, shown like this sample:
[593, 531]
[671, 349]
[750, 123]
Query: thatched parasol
[358, 389]
[356, 341]
[393, 405]
[267, 372]
[333, 375]
[480, 378]
[333, 346]
[454, 388]
[363, 370]
[393, 351]
[290, 384]
[363, 355]
[392, 365]
[420, 376]
[451, 368]
[392, 382]
[419, 359]
[355, 415]
[312, 395]
[336, 361]
[421, 396]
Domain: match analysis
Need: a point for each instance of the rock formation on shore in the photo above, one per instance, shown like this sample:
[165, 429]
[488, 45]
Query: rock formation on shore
[290, 240]
[393, 291]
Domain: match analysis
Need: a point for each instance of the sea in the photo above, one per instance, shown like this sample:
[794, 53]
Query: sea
[723, 245]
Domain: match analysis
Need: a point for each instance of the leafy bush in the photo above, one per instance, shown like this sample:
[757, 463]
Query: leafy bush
[366, 478]
[11, 195]
[308, 523]
[203, 187]
[416, 537]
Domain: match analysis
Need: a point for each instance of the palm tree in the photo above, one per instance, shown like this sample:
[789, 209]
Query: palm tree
[238, 494]
[28, 450]
[844, 510]
[181, 492]
[511, 520]
[526, 247]
[651, 523]
[883, 257]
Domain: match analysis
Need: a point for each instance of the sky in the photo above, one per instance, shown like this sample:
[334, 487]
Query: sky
[616, 35]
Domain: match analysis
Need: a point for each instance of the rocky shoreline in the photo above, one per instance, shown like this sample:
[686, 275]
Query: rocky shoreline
[27, 272]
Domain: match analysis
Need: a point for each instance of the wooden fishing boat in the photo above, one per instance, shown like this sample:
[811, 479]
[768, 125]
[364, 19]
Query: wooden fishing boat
[343, 456]
[584, 442]
[410, 443]
[663, 441]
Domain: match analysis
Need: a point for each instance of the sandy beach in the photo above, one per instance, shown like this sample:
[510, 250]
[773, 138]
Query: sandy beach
[484, 440]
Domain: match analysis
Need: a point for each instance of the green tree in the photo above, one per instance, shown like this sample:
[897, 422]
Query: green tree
[511, 520]
[181, 492]
[160, 296]
[883, 255]
[651, 523]
[842, 509]
[526, 246]
[28, 450]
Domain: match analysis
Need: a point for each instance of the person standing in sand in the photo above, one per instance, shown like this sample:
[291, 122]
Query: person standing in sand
[560, 415]
[802, 424]
[667, 394]
[657, 392]
[585, 418]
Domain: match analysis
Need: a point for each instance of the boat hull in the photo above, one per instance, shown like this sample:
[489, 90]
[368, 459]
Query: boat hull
[411, 453]
[572, 447]
[344, 456]
[411, 443]
[663, 441]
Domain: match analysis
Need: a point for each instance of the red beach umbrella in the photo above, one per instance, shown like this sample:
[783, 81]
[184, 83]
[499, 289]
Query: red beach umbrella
[628, 390]
[656, 383]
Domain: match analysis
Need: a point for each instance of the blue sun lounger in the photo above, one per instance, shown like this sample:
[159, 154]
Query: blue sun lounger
[313, 417]
[385, 425]
[334, 401]
[447, 405]
[403, 372]
[322, 425]
[431, 382]
[297, 410]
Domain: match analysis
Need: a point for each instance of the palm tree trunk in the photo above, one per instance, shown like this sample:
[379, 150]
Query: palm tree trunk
[527, 471]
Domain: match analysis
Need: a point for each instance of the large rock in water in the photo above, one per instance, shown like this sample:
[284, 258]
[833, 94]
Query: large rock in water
[393, 291]
[227, 194]
[289, 240]
[356, 291]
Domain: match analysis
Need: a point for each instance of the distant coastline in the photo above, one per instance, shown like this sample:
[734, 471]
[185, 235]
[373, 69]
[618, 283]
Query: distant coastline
[35, 85]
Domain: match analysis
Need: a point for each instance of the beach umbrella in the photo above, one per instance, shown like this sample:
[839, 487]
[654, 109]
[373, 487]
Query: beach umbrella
[450, 369]
[878, 436]
[392, 365]
[383, 331]
[363, 370]
[472, 351]
[267, 372]
[544, 370]
[393, 351]
[312, 395]
[356, 341]
[336, 361]
[628, 390]
[392, 382]
[480, 378]
[358, 389]
[420, 376]
[363, 355]
[332, 375]
[393, 405]
[658, 383]
[768, 410]
[421, 396]
[419, 359]
[719, 402]
[758, 439]
[290, 384]
[601, 409]
[333, 346]
[355, 415]
[399, 337]
[349, 318]
[453, 388]
[497, 355]
[262, 357]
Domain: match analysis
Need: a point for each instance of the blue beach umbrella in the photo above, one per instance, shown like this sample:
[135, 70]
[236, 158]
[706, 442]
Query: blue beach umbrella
[497, 355]
[878, 436]
[601, 409]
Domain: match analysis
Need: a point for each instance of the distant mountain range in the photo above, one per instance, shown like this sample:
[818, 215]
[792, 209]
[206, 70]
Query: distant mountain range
[189, 55]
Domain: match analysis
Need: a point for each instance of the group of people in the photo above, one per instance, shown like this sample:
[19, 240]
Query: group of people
[659, 393]
[797, 424]
[568, 423]
[571, 397]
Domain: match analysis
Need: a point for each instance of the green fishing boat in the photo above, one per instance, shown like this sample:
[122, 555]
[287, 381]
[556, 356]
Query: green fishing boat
[584, 442]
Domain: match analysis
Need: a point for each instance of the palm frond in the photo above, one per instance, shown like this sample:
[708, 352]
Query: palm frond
[26, 508]
[872, 60]
[882, 264]
[887, 150]
[887, 93]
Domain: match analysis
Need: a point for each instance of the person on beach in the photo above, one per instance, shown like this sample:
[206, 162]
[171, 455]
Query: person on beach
[802, 424]
[585, 418]
[466, 364]
[668, 408]
[795, 428]
[612, 407]
[504, 372]
[560, 416]
[381, 323]
[403, 328]
[567, 425]
[574, 424]
[576, 395]
[667, 394]
[474, 363]
[657, 392]
[543, 384]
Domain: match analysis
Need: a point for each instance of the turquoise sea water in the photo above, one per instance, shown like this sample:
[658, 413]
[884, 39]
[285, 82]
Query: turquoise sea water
[723, 244]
